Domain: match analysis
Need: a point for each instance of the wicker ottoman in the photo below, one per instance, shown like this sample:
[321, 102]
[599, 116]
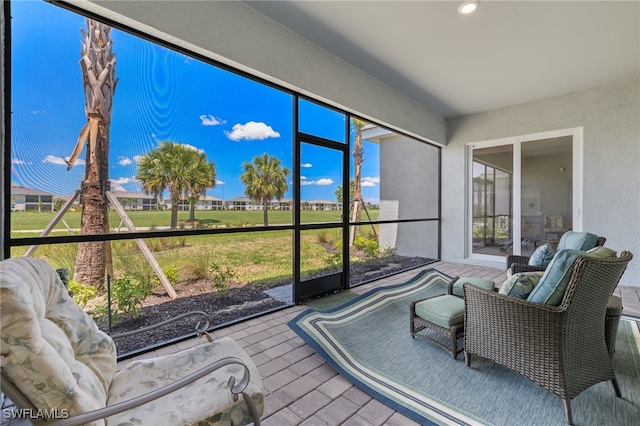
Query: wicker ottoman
[614, 311]
[439, 319]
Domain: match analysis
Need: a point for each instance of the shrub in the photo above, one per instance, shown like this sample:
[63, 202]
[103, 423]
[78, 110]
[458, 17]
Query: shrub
[333, 260]
[81, 293]
[370, 249]
[220, 276]
[127, 296]
[171, 272]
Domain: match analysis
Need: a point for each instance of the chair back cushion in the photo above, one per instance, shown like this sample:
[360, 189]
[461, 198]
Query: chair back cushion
[51, 349]
[582, 241]
[553, 284]
[520, 285]
[542, 256]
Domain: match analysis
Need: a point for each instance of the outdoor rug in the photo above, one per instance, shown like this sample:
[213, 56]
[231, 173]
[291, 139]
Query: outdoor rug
[367, 341]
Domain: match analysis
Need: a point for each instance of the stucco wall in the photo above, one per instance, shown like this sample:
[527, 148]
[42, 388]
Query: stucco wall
[409, 190]
[610, 118]
[237, 35]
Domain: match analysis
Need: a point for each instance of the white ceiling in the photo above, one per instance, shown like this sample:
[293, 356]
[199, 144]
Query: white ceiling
[506, 53]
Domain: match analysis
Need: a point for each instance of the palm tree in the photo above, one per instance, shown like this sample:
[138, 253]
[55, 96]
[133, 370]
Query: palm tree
[200, 176]
[178, 168]
[265, 179]
[358, 159]
[98, 65]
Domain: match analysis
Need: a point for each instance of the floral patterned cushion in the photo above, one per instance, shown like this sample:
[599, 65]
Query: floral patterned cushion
[542, 256]
[521, 284]
[193, 403]
[58, 358]
[51, 349]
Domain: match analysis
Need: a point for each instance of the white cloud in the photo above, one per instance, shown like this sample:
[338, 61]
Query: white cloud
[219, 182]
[251, 131]
[186, 145]
[306, 165]
[116, 184]
[137, 158]
[370, 181]
[324, 182]
[319, 182]
[20, 162]
[62, 161]
[124, 161]
[210, 120]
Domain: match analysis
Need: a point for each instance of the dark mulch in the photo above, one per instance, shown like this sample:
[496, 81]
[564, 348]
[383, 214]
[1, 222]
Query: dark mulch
[239, 303]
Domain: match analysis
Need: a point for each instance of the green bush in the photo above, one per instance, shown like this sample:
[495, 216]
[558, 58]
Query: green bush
[81, 293]
[220, 276]
[127, 296]
[333, 260]
[370, 249]
[171, 272]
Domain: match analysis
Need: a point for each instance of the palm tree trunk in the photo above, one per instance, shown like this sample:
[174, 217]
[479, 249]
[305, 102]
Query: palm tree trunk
[358, 152]
[192, 211]
[174, 215]
[265, 212]
[98, 74]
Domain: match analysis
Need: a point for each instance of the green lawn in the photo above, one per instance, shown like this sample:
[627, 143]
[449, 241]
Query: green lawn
[260, 258]
[32, 221]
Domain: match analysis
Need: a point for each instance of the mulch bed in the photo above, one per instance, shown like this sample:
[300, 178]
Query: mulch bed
[239, 303]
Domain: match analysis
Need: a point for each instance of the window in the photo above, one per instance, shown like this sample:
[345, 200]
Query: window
[170, 110]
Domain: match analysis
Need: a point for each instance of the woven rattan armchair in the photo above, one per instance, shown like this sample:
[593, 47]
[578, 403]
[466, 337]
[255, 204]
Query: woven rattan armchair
[521, 263]
[562, 348]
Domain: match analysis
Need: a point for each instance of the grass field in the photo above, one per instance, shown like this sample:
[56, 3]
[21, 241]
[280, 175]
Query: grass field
[260, 258]
[23, 222]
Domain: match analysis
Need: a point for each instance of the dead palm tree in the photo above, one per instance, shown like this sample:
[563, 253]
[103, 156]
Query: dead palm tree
[265, 179]
[358, 159]
[98, 65]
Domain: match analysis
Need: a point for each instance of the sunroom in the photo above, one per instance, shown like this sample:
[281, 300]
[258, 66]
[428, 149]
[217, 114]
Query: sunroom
[462, 139]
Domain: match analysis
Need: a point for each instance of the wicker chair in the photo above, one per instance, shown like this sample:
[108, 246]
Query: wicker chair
[521, 263]
[562, 348]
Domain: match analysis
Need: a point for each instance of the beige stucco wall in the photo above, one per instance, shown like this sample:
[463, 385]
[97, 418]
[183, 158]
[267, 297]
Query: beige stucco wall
[610, 118]
[409, 190]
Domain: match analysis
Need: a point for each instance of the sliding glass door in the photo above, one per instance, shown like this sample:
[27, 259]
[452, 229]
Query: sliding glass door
[522, 192]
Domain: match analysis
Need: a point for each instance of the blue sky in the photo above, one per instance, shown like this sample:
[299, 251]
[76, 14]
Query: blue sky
[161, 95]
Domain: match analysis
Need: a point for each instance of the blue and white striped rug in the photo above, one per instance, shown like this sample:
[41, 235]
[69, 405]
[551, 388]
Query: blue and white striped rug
[367, 341]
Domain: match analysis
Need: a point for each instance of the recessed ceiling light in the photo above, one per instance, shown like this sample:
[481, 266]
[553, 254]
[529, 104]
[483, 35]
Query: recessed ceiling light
[468, 7]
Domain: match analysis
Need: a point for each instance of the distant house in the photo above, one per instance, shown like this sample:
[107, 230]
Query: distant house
[322, 205]
[284, 204]
[136, 200]
[29, 199]
[243, 203]
[205, 202]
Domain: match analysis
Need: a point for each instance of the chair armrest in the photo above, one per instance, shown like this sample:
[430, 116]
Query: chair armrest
[199, 330]
[450, 286]
[523, 267]
[512, 258]
[101, 413]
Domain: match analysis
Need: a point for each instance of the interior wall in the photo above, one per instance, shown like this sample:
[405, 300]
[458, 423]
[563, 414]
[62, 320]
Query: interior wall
[610, 118]
[237, 35]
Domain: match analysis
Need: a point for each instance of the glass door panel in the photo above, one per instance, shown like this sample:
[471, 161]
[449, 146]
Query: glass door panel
[547, 195]
[321, 171]
[492, 200]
